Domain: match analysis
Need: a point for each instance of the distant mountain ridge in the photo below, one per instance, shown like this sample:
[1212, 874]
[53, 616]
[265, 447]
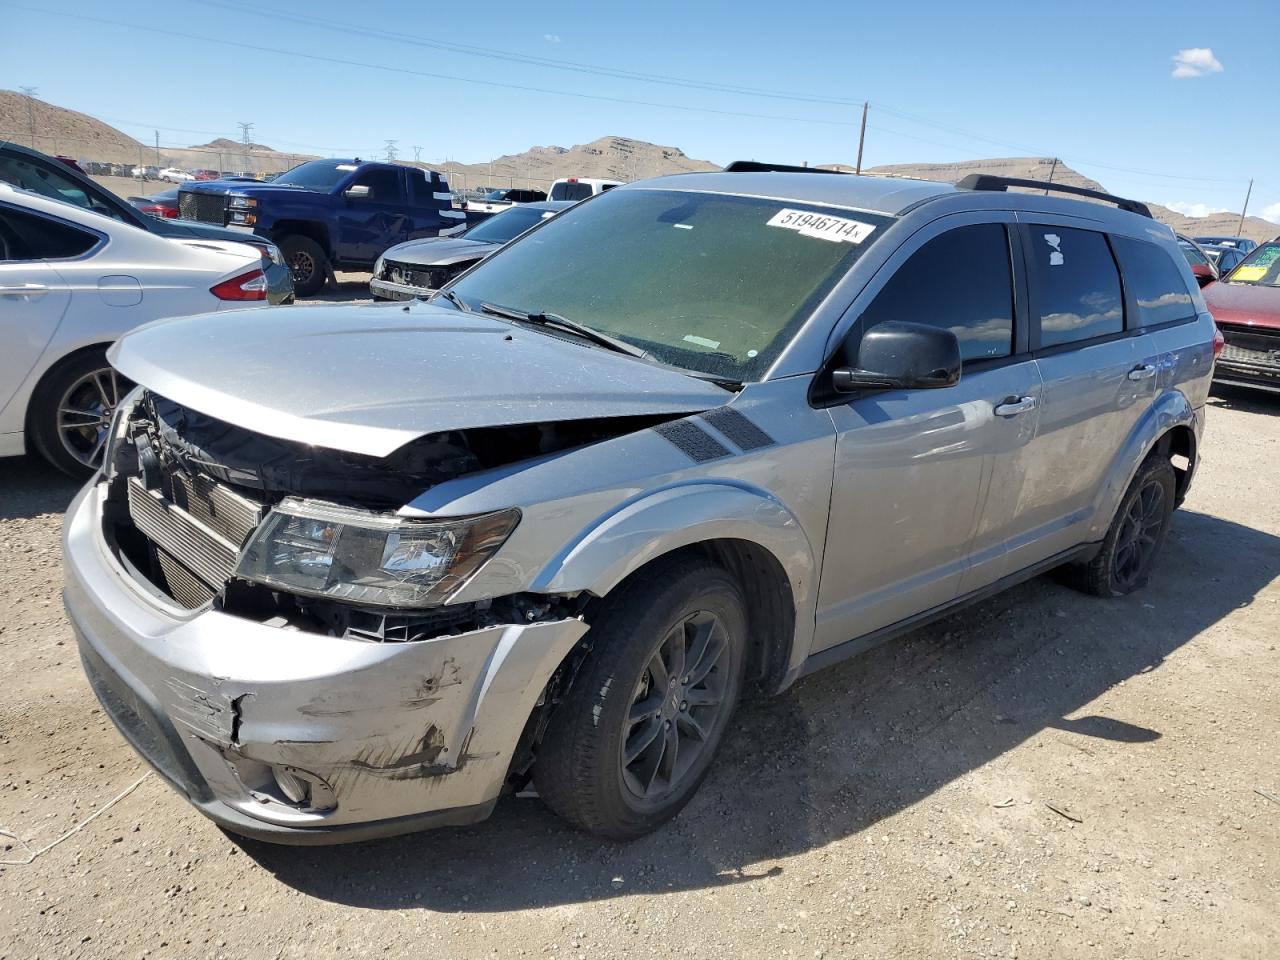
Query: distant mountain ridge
[62, 131]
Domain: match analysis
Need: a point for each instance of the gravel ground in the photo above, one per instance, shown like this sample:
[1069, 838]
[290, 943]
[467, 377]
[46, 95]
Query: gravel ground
[896, 805]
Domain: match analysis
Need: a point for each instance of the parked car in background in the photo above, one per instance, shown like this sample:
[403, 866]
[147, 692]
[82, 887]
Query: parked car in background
[1223, 258]
[1246, 305]
[174, 175]
[357, 570]
[205, 175]
[580, 188]
[495, 201]
[1243, 244]
[163, 204]
[1202, 267]
[34, 171]
[420, 267]
[72, 281]
[145, 173]
[328, 215]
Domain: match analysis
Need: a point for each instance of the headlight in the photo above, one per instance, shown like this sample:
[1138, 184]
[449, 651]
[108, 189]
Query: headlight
[324, 550]
[377, 267]
[242, 203]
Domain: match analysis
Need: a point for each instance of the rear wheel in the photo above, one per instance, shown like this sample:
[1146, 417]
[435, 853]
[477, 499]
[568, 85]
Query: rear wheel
[307, 262]
[71, 412]
[1137, 532]
[636, 734]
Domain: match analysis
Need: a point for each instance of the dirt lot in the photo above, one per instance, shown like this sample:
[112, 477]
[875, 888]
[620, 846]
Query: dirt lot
[897, 805]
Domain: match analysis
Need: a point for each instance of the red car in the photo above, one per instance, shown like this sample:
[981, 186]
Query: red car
[1246, 305]
[205, 174]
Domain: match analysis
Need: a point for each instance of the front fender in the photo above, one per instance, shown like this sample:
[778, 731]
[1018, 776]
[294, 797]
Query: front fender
[1170, 410]
[617, 544]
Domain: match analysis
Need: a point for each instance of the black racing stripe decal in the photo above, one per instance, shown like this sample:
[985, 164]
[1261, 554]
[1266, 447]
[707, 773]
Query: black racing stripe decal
[692, 440]
[738, 429]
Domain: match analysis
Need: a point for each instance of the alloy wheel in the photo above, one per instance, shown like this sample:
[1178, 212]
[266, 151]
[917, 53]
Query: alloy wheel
[1139, 534]
[303, 266]
[676, 705]
[84, 414]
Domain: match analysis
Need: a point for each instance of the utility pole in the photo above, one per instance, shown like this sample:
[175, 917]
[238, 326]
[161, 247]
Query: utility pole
[417, 154]
[1245, 208]
[246, 129]
[862, 136]
[391, 149]
[1052, 170]
[31, 111]
[158, 163]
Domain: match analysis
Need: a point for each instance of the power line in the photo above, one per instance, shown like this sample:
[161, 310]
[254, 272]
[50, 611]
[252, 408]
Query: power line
[406, 71]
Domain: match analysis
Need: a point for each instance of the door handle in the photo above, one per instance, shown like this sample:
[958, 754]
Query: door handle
[30, 291]
[1012, 406]
[1144, 371]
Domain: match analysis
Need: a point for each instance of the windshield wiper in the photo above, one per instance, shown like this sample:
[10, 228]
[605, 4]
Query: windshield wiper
[453, 298]
[542, 318]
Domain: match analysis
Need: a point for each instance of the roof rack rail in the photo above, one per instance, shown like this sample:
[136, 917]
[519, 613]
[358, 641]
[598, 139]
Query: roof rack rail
[759, 166]
[989, 181]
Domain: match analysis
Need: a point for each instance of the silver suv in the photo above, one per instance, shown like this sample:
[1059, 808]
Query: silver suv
[355, 571]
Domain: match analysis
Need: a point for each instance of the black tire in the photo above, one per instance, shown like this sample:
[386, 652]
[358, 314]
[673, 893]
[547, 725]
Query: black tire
[581, 771]
[73, 442]
[307, 261]
[1137, 532]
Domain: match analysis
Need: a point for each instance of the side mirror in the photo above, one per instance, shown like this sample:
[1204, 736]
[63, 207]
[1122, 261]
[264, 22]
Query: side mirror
[902, 356]
[358, 192]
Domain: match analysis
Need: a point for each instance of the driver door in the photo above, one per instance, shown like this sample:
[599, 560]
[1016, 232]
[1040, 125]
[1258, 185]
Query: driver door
[913, 468]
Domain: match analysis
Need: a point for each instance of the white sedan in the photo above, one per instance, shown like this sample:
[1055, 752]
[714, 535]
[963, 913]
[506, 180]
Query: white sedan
[71, 282]
[174, 175]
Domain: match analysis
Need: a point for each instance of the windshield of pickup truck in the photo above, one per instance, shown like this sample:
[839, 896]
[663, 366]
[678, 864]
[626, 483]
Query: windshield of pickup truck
[713, 283]
[321, 175]
[1262, 267]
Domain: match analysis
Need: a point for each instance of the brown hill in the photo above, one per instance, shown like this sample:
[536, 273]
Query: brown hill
[1039, 168]
[58, 130]
[226, 144]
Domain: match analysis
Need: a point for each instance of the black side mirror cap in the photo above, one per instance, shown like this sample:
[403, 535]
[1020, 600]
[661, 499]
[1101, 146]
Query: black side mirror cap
[902, 356]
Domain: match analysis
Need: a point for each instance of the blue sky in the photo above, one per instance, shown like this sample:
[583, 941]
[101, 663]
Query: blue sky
[1089, 82]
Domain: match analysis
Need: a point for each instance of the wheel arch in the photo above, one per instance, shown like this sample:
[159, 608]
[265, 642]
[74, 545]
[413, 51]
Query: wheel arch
[40, 381]
[745, 530]
[311, 229]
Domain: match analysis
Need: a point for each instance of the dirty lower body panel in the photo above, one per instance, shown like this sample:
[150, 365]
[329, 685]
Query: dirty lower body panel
[296, 736]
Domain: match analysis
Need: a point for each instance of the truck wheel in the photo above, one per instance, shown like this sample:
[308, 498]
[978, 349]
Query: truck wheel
[636, 733]
[1135, 536]
[71, 410]
[307, 261]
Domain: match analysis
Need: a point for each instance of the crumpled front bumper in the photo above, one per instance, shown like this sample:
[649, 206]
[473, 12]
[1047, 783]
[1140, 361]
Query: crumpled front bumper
[405, 735]
[397, 291]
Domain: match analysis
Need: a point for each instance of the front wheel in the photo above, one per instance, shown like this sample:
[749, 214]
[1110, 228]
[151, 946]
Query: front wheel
[71, 412]
[636, 734]
[1137, 532]
[306, 260]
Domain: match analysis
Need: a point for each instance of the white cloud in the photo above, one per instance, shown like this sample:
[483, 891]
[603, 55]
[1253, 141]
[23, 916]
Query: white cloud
[1195, 62]
[555, 38]
[1194, 209]
[1271, 213]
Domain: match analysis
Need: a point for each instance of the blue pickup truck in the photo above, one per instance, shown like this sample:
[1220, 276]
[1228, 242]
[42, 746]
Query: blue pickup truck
[330, 214]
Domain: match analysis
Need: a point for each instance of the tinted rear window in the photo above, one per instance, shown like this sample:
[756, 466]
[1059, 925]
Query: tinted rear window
[570, 191]
[28, 236]
[1155, 281]
[1077, 285]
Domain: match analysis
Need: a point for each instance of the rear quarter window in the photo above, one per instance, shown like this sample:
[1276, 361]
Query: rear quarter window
[33, 237]
[1158, 287]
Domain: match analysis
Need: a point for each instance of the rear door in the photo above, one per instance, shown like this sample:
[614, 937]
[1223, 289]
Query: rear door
[33, 295]
[1099, 373]
[913, 467]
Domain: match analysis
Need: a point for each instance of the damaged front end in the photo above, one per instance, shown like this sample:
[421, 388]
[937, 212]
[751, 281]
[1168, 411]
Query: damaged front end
[297, 666]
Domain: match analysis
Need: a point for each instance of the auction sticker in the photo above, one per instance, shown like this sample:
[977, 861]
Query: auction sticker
[809, 224]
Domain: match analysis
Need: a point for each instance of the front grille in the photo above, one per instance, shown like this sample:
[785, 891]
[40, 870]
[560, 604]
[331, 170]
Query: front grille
[1251, 350]
[205, 207]
[416, 275]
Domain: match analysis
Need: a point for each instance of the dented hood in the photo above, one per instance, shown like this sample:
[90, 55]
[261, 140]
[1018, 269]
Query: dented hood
[369, 379]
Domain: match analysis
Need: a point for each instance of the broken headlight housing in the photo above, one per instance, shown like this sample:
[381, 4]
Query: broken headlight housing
[358, 556]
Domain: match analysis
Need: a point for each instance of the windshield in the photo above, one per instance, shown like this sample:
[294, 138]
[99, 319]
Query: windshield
[507, 225]
[1261, 267]
[1191, 252]
[53, 184]
[715, 284]
[496, 195]
[321, 175]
